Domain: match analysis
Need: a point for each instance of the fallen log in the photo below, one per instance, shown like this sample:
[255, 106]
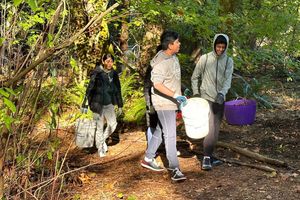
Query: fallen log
[251, 154]
[256, 166]
[261, 167]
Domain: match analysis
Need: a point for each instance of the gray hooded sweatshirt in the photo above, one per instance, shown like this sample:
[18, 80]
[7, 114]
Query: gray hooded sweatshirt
[215, 72]
[165, 70]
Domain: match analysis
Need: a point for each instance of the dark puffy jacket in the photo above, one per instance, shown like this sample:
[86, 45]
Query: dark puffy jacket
[104, 88]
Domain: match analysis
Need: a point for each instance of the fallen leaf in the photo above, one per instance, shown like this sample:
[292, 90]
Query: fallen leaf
[84, 178]
[92, 175]
[120, 195]
[272, 174]
[110, 186]
[285, 176]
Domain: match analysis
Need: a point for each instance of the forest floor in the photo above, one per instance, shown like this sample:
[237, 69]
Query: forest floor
[119, 175]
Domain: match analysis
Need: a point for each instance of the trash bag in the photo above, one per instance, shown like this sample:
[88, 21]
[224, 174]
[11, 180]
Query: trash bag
[85, 130]
[195, 116]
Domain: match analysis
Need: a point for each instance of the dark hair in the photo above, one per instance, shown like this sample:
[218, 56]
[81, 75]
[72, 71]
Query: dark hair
[168, 37]
[106, 56]
[158, 48]
[220, 40]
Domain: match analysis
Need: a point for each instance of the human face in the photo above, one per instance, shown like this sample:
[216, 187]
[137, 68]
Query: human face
[175, 46]
[108, 63]
[220, 48]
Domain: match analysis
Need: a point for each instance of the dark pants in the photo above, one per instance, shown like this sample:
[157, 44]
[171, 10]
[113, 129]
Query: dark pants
[152, 120]
[215, 118]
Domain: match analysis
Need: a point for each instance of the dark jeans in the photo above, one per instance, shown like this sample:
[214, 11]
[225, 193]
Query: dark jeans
[215, 119]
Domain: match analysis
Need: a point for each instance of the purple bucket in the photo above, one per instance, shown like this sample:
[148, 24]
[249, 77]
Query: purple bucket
[240, 112]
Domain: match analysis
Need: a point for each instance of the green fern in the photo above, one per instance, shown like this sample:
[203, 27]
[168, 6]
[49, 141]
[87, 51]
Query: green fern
[134, 102]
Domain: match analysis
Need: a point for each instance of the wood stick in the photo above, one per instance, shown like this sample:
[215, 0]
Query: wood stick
[251, 154]
[261, 167]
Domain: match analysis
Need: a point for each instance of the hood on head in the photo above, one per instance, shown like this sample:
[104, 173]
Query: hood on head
[227, 42]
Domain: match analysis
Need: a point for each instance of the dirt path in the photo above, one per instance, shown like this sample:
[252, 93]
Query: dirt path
[120, 176]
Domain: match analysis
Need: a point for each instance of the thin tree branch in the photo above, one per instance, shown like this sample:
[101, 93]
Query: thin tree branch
[47, 53]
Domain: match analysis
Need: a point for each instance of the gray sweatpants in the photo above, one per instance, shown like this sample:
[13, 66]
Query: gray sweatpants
[211, 139]
[167, 126]
[109, 114]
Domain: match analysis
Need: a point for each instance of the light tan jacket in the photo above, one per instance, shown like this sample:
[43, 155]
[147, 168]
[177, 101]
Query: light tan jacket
[165, 70]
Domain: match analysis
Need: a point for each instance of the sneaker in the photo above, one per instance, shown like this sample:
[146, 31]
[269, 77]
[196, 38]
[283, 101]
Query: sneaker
[105, 147]
[151, 165]
[206, 163]
[101, 152]
[177, 175]
[216, 162]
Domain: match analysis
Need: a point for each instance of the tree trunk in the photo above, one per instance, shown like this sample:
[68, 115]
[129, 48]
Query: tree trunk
[1, 171]
[124, 27]
[3, 140]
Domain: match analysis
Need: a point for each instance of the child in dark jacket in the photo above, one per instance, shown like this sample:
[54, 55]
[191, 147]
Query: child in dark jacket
[103, 92]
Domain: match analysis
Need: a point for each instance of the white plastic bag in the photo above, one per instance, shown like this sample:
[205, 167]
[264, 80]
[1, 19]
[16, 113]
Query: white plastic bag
[195, 115]
[85, 130]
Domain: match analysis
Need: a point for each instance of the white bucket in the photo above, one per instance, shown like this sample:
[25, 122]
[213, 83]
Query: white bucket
[195, 115]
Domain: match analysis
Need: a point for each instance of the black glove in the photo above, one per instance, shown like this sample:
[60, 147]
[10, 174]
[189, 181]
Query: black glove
[196, 95]
[219, 99]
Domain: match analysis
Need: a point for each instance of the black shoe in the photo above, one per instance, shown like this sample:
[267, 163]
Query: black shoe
[177, 175]
[216, 162]
[206, 163]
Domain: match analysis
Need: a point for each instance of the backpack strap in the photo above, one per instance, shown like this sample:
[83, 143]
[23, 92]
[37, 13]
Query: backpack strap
[226, 65]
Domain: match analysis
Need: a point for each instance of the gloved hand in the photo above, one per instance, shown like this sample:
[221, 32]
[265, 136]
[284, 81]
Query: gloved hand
[119, 112]
[150, 109]
[182, 100]
[220, 98]
[197, 95]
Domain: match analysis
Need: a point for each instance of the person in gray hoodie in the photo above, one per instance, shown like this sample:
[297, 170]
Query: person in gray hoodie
[166, 79]
[215, 69]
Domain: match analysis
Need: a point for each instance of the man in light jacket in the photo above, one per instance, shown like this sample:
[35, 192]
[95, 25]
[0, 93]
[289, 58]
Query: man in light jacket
[166, 79]
[215, 69]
